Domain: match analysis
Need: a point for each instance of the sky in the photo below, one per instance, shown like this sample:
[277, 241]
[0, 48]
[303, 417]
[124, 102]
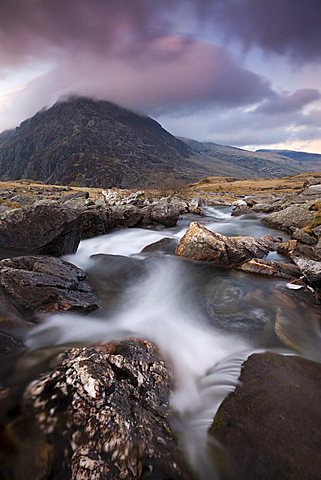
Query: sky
[245, 73]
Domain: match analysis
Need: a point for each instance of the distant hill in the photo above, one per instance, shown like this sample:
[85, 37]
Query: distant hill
[96, 143]
[242, 163]
[295, 155]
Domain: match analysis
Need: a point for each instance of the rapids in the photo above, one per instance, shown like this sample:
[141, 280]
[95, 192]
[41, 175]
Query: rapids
[205, 320]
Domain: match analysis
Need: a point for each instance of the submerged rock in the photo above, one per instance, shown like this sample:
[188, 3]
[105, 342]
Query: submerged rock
[104, 409]
[46, 284]
[47, 229]
[271, 423]
[198, 243]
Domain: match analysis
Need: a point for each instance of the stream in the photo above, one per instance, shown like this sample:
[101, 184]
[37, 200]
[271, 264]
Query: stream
[206, 320]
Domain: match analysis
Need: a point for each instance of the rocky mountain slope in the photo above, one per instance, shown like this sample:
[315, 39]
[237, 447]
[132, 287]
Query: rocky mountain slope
[96, 143]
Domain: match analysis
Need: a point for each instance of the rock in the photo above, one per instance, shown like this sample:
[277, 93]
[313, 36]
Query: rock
[95, 222]
[242, 210]
[310, 269]
[194, 206]
[125, 215]
[294, 248]
[105, 409]
[270, 423]
[303, 237]
[296, 329]
[198, 243]
[45, 229]
[162, 246]
[239, 203]
[290, 218]
[287, 247]
[270, 268]
[166, 214]
[109, 275]
[46, 284]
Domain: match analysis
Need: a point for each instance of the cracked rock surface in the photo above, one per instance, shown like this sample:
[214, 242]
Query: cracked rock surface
[104, 409]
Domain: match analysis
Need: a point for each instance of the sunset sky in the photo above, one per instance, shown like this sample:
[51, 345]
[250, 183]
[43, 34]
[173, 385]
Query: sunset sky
[238, 72]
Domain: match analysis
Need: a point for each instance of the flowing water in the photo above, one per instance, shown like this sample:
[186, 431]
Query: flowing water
[206, 320]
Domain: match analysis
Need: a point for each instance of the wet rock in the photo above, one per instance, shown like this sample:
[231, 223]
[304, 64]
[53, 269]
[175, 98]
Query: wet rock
[290, 218]
[109, 275]
[270, 268]
[45, 229]
[270, 424]
[296, 329]
[162, 246]
[46, 284]
[237, 307]
[310, 269]
[104, 409]
[198, 243]
[166, 214]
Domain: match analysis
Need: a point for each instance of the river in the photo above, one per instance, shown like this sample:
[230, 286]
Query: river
[205, 320]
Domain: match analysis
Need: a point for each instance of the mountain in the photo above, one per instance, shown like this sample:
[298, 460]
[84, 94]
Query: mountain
[240, 163]
[96, 143]
[93, 143]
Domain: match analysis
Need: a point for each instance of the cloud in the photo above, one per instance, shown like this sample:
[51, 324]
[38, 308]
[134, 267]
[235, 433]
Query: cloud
[171, 73]
[242, 128]
[287, 102]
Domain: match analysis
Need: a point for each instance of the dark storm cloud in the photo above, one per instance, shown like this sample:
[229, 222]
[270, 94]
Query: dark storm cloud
[289, 102]
[290, 27]
[32, 27]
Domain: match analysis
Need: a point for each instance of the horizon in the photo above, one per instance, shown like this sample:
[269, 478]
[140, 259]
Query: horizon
[244, 74]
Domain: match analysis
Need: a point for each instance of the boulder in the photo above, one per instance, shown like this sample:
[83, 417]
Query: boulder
[271, 423]
[290, 218]
[164, 213]
[270, 268]
[45, 284]
[95, 222]
[104, 409]
[198, 243]
[125, 215]
[44, 228]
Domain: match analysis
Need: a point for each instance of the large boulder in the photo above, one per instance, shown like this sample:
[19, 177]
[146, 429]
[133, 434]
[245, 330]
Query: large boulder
[45, 284]
[290, 218]
[198, 243]
[47, 229]
[271, 423]
[104, 409]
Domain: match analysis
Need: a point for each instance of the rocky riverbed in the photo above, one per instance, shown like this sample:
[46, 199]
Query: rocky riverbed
[127, 319]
